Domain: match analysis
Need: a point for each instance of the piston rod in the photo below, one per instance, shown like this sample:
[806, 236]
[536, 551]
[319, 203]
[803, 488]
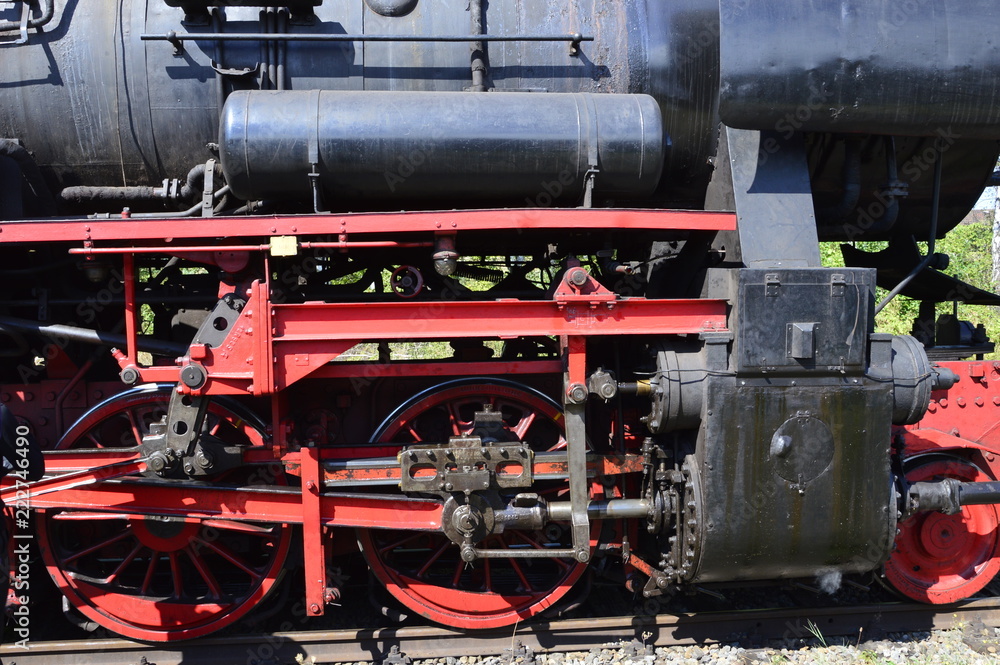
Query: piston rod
[949, 495]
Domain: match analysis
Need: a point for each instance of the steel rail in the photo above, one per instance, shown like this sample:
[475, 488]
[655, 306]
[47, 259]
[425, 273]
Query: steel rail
[559, 636]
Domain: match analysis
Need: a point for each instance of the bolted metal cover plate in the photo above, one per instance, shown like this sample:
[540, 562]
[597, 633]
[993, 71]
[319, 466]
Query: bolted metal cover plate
[802, 448]
[803, 320]
[465, 468]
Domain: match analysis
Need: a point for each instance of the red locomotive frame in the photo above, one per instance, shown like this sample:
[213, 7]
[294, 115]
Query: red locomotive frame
[272, 346]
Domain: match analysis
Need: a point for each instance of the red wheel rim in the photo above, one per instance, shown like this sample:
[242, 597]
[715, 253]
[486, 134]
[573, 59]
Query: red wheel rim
[942, 558]
[424, 570]
[159, 579]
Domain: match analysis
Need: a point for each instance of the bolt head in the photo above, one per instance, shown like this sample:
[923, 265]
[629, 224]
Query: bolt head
[576, 276]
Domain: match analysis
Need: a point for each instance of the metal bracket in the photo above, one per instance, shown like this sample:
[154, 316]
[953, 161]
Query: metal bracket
[208, 190]
[590, 179]
[772, 285]
[185, 417]
[466, 465]
[176, 42]
[578, 286]
[23, 29]
[574, 46]
[235, 73]
[215, 329]
[575, 413]
[314, 175]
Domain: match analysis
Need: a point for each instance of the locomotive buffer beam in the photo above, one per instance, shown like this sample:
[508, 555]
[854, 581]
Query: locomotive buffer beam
[949, 495]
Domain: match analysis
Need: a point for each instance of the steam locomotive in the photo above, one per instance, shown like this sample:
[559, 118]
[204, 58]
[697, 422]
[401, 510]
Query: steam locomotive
[503, 294]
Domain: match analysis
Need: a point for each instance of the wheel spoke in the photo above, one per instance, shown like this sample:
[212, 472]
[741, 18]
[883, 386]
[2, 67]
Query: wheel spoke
[520, 574]
[526, 422]
[147, 580]
[175, 574]
[434, 557]
[487, 576]
[456, 424]
[213, 585]
[136, 432]
[399, 543]
[538, 546]
[126, 560]
[230, 557]
[99, 546]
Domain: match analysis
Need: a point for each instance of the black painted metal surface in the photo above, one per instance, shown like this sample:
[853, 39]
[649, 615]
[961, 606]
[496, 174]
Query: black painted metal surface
[98, 107]
[434, 145]
[793, 468]
[861, 66]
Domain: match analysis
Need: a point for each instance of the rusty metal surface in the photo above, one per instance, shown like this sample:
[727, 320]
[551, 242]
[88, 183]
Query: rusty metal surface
[561, 636]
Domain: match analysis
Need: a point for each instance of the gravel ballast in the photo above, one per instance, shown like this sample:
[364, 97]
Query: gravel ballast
[967, 644]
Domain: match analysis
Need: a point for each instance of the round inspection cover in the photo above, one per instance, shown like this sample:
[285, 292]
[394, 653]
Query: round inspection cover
[801, 449]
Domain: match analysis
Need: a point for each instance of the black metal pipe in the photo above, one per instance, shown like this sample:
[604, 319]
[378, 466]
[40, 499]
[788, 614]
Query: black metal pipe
[272, 51]
[478, 56]
[81, 194]
[978, 494]
[59, 333]
[935, 201]
[48, 8]
[852, 182]
[312, 37]
[282, 49]
[888, 218]
[195, 182]
[219, 58]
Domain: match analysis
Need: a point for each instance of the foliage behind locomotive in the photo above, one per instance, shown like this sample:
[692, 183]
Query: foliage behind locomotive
[680, 384]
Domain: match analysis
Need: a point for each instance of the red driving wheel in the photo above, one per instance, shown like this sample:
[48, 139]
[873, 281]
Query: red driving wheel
[942, 558]
[425, 571]
[158, 578]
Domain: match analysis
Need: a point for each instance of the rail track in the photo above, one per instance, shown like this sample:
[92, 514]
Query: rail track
[558, 636]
